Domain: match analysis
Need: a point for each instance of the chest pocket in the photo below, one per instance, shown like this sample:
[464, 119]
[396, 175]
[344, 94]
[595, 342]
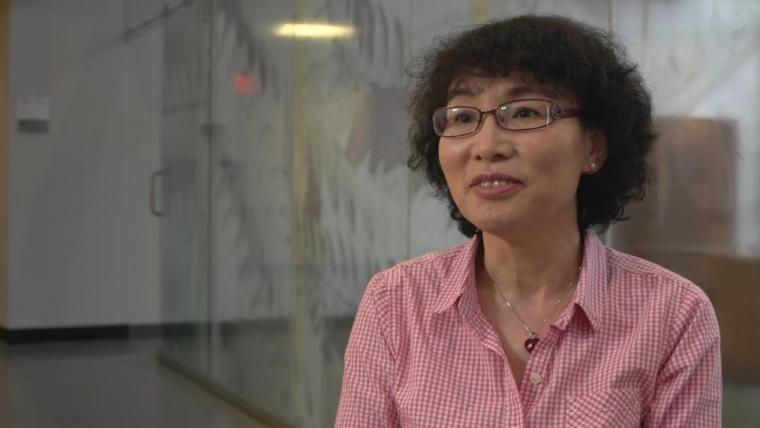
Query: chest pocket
[618, 408]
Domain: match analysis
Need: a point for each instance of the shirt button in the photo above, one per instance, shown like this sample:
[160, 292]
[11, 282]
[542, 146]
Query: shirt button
[535, 378]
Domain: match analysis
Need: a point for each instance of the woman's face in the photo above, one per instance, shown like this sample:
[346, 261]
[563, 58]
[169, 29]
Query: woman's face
[502, 179]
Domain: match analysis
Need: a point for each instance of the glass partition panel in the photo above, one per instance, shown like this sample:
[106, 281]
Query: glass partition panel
[252, 214]
[184, 156]
[303, 175]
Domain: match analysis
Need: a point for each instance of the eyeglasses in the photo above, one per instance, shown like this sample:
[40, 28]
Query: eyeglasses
[517, 115]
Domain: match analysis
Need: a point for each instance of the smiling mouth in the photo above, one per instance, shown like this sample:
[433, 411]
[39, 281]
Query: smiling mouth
[495, 183]
[496, 186]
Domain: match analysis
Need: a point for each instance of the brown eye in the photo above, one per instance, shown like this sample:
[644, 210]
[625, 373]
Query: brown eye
[464, 116]
[525, 113]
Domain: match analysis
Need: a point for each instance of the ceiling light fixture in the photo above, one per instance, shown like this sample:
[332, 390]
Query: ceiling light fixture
[313, 31]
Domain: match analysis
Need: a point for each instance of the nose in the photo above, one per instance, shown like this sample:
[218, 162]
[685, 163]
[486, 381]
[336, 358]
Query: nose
[492, 142]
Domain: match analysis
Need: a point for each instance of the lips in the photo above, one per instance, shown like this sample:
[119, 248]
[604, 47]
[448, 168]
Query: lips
[495, 185]
[493, 180]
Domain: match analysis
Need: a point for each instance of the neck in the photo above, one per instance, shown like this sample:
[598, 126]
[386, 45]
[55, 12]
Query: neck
[533, 266]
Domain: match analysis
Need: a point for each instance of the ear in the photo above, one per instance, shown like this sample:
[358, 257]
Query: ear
[596, 151]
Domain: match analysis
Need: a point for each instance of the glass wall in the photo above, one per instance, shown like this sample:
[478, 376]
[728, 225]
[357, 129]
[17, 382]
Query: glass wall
[185, 178]
[286, 184]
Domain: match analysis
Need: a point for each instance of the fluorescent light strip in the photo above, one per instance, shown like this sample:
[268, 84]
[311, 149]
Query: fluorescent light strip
[313, 31]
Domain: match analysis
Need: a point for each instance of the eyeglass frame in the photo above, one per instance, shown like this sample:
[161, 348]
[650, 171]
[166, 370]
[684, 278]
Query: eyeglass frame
[555, 113]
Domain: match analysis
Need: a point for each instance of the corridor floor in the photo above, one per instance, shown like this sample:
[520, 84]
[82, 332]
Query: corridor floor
[103, 384]
[120, 383]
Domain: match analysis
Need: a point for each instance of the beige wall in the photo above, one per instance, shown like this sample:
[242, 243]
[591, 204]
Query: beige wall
[82, 246]
[5, 24]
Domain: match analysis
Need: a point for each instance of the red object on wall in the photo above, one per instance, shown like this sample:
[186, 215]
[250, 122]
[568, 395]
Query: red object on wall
[243, 84]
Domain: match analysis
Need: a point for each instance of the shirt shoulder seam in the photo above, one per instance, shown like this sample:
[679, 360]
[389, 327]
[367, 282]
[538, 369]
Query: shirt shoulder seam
[379, 297]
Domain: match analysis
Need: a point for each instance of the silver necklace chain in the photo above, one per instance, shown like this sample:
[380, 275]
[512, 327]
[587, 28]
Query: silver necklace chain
[534, 334]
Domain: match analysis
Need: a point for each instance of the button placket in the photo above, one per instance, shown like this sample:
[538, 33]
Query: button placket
[536, 369]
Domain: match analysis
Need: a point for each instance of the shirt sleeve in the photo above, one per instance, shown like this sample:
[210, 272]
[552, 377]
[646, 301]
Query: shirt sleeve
[689, 386]
[366, 396]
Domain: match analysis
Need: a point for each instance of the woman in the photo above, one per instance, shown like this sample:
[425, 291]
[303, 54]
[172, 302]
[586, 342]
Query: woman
[535, 130]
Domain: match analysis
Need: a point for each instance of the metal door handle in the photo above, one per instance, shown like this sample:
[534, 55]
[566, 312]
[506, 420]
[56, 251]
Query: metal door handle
[154, 179]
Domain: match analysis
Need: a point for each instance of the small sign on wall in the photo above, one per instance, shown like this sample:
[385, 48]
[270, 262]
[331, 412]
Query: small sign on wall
[33, 114]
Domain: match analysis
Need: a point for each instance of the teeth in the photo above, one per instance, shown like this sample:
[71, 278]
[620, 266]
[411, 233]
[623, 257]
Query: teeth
[494, 183]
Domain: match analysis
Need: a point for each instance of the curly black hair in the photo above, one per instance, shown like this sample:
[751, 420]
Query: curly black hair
[585, 62]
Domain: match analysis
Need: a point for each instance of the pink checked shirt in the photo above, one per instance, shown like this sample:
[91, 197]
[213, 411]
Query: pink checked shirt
[638, 346]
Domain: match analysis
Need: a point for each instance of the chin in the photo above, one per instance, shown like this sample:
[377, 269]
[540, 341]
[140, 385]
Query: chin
[497, 225]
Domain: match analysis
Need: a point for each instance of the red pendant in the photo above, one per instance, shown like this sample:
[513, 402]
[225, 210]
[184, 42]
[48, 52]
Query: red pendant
[530, 343]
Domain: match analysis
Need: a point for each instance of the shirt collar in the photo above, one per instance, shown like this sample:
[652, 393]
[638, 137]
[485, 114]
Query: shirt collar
[592, 283]
[462, 275]
[589, 297]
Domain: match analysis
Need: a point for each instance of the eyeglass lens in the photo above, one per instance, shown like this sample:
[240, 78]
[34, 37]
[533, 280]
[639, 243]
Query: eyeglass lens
[517, 115]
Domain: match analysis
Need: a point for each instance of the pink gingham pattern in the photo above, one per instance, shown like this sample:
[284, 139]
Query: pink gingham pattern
[639, 346]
